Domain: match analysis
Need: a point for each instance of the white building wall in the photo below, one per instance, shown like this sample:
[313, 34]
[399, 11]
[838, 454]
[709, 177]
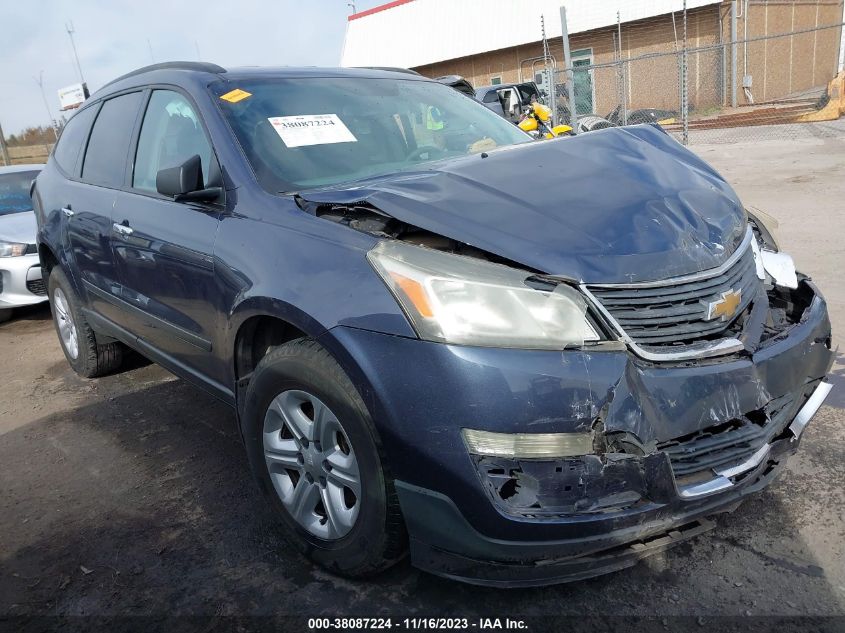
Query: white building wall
[842, 43]
[427, 31]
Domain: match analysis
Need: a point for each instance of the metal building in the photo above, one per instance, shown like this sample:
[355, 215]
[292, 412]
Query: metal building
[784, 47]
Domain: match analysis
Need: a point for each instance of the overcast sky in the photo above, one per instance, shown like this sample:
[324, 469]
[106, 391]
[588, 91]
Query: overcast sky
[111, 38]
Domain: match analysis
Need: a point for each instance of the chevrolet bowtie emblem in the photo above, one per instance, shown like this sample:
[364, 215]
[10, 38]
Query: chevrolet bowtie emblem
[724, 307]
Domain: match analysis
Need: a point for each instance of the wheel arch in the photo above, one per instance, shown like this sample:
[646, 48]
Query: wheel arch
[47, 257]
[260, 324]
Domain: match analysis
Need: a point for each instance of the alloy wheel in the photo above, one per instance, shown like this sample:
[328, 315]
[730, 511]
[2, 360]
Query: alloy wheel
[67, 328]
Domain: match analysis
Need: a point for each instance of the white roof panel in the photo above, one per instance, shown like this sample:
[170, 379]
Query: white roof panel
[411, 33]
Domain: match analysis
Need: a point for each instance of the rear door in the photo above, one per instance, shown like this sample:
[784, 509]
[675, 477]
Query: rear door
[164, 249]
[89, 200]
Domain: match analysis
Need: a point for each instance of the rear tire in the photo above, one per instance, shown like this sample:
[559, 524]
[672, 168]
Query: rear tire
[301, 380]
[5, 315]
[78, 341]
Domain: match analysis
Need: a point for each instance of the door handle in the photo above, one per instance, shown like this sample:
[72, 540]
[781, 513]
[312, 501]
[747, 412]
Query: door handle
[67, 211]
[122, 229]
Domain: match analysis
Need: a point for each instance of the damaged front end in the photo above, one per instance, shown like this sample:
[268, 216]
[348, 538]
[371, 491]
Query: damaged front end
[636, 462]
[623, 476]
[603, 421]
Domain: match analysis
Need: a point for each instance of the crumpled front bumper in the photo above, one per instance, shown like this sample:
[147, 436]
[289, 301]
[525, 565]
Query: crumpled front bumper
[443, 542]
[18, 276]
[460, 525]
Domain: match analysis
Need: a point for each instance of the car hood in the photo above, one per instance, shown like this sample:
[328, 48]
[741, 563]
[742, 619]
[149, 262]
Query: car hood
[18, 227]
[611, 206]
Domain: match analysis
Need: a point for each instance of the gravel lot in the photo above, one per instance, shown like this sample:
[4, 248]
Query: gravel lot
[131, 494]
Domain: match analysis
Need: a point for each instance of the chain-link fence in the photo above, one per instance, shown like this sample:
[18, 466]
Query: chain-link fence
[705, 86]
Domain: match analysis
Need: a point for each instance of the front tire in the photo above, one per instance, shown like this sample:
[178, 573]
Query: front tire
[316, 456]
[78, 341]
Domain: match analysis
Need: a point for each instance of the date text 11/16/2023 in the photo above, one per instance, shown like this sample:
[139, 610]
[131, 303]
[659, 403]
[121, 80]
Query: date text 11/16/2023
[414, 624]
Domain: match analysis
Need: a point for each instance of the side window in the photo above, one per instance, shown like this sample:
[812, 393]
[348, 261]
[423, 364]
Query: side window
[73, 139]
[527, 92]
[491, 97]
[170, 134]
[108, 146]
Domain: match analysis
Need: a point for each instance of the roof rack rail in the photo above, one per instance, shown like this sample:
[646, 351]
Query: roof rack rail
[394, 69]
[198, 66]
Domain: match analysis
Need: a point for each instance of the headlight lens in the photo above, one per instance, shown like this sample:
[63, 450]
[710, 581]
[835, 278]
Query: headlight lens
[456, 299]
[12, 249]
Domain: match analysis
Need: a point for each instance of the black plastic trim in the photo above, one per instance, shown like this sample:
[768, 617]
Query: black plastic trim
[107, 327]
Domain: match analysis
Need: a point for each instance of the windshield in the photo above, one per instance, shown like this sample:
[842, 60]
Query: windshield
[14, 192]
[313, 132]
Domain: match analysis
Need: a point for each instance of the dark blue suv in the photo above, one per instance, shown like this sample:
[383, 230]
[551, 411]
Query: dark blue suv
[525, 362]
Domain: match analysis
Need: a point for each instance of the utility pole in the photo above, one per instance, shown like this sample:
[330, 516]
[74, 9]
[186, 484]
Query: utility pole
[4, 152]
[549, 70]
[150, 46]
[352, 5]
[624, 100]
[733, 53]
[197, 46]
[70, 32]
[570, 75]
[40, 82]
[685, 84]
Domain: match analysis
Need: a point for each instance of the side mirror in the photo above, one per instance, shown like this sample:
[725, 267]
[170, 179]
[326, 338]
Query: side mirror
[181, 179]
[184, 182]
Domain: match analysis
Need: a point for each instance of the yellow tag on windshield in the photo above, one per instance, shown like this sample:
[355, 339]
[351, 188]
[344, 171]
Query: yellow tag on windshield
[235, 95]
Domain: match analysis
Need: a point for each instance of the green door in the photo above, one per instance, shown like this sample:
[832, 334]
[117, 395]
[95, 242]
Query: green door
[583, 80]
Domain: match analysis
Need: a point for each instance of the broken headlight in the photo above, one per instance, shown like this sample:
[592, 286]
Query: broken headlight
[462, 300]
[765, 229]
[767, 255]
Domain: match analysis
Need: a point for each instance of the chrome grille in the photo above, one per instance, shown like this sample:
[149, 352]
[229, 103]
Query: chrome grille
[670, 314]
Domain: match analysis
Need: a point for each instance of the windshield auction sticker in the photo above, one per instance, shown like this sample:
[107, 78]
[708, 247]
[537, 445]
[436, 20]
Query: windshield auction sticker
[233, 96]
[311, 129]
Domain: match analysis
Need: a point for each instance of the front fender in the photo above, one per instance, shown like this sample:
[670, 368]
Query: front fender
[311, 273]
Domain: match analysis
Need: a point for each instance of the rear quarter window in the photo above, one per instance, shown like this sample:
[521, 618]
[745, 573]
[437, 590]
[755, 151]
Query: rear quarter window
[108, 146]
[73, 139]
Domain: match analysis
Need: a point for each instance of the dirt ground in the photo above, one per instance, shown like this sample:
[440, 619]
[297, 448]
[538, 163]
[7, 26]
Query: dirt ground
[130, 495]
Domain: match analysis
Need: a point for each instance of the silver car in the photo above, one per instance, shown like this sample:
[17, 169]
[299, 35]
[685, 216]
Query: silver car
[20, 271]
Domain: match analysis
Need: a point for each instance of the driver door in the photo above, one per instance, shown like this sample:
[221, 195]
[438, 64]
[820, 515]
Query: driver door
[164, 249]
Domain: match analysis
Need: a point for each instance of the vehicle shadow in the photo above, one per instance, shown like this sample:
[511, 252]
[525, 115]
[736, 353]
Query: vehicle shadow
[142, 503]
[38, 313]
